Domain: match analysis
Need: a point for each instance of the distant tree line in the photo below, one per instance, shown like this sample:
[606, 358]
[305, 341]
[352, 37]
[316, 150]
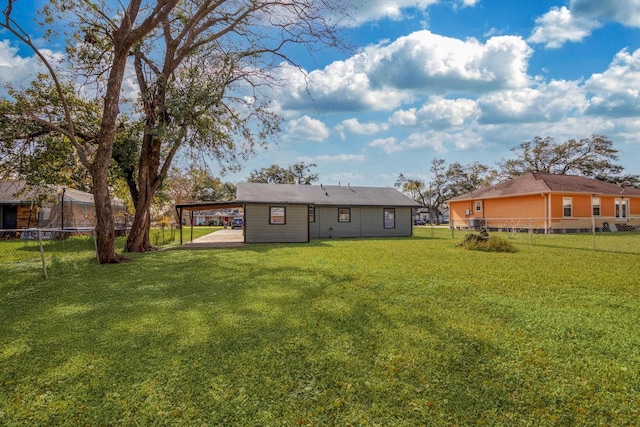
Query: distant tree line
[593, 157]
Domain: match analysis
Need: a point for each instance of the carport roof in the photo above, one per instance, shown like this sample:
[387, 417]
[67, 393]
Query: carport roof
[199, 206]
[328, 195]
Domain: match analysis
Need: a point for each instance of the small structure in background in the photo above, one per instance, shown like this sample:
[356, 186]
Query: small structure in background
[60, 208]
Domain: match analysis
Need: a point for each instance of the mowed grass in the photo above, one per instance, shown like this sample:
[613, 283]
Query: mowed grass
[376, 332]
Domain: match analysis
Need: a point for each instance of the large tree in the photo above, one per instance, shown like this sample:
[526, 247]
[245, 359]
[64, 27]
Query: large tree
[127, 25]
[298, 173]
[446, 181]
[200, 67]
[198, 185]
[592, 157]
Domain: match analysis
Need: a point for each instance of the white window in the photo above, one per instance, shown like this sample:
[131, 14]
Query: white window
[567, 207]
[595, 205]
[621, 209]
[478, 206]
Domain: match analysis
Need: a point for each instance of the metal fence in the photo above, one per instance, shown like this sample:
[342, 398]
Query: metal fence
[612, 234]
[37, 250]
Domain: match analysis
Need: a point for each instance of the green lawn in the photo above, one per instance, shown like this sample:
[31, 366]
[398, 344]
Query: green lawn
[389, 332]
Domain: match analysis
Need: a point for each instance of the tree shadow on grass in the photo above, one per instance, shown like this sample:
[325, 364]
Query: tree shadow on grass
[214, 338]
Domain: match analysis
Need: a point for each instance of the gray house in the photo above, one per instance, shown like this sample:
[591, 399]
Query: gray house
[298, 213]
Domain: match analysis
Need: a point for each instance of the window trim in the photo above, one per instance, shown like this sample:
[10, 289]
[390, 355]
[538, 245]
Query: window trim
[478, 206]
[595, 206]
[384, 218]
[569, 206]
[348, 213]
[284, 215]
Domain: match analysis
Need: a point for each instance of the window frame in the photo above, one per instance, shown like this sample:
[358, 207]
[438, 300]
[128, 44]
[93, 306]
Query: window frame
[565, 206]
[272, 216]
[595, 206]
[478, 207]
[392, 211]
[348, 215]
[312, 213]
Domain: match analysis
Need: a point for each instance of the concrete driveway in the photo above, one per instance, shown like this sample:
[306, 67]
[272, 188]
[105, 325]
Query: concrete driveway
[220, 238]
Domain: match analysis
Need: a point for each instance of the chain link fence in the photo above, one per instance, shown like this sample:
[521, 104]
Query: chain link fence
[37, 250]
[611, 234]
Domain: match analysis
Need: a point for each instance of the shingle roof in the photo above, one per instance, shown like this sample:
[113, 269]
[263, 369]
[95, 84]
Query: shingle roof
[538, 183]
[332, 195]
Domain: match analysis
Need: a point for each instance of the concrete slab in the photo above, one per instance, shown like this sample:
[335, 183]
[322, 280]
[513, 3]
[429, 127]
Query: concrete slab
[220, 238]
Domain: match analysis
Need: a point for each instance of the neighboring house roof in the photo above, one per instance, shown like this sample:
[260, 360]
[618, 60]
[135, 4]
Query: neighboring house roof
[8, 190]
[13, 192]
[328, 195]
[539, 183]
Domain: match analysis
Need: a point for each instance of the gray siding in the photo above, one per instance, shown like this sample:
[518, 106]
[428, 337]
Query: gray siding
[258, 229]
[365, 222]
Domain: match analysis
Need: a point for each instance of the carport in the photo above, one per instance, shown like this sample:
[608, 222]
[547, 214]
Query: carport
[202, 206]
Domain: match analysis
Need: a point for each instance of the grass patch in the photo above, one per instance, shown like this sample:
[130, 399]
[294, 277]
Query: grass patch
[398, 332]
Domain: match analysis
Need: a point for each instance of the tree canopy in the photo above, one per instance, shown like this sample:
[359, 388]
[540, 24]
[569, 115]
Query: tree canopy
[591, 157]
[446, 181]
[298, 173]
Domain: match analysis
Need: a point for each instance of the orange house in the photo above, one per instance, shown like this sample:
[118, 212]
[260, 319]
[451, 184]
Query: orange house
[548, 204]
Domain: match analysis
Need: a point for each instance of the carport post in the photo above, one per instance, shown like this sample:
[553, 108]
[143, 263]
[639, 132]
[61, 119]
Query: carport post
[191, 221]
[179, 212]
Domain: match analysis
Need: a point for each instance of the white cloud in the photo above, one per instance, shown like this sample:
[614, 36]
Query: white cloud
[438, 113]
[549, 102]
[559, 26]
[576, 22]
[388, 145]
[616, 91]
[432, 63]
[344, 178]
[17, 69]
[382, 77]
[341, 158]
[354, 126]
[626, 12]
[390, 9]
[307, 129]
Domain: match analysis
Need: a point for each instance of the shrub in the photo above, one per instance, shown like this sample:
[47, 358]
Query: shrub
[486, 243]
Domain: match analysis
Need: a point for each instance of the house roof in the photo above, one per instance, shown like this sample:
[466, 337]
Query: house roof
[328, 195]
[13, 192]
[539, 183]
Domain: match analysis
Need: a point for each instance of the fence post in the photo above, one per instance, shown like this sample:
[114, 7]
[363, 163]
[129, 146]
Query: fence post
[593, 230]
[530, 231]
[44, 263]
[452, 228]
[95, 244]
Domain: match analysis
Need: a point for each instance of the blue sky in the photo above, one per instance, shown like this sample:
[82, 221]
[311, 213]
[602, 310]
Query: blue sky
[461, 80]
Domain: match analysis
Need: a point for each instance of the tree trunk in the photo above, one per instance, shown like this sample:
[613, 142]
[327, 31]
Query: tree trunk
[105, 235]
[148, 183]
[138, 240]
